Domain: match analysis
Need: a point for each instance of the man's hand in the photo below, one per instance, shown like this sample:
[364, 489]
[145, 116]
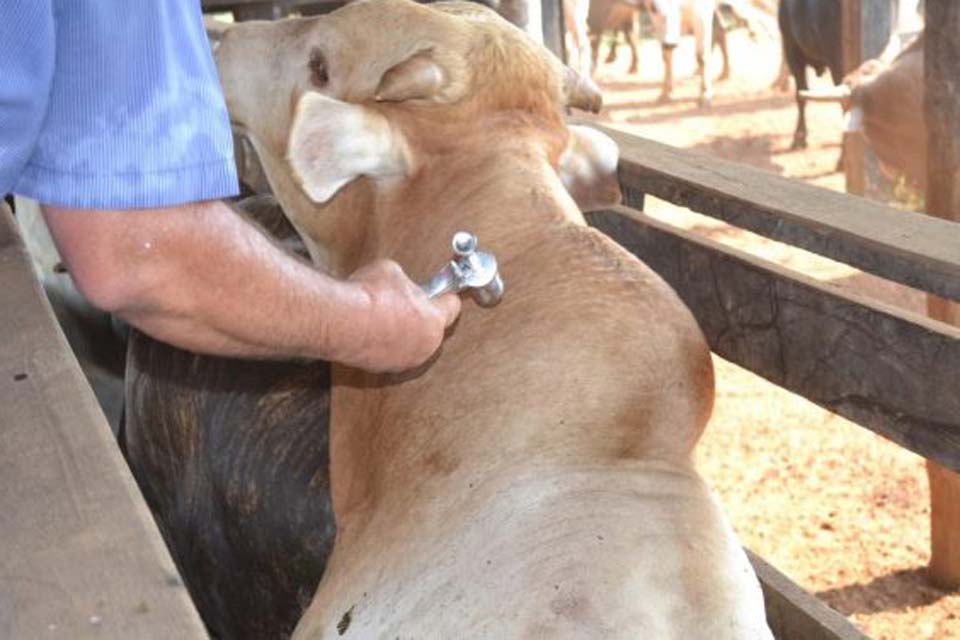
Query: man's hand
[173, 273]
[402, 327]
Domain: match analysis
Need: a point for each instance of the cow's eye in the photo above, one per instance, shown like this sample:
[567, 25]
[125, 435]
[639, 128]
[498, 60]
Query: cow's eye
[318, 69]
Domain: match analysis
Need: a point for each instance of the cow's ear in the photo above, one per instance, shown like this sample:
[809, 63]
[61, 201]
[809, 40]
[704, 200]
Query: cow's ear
[332, 143]
[419, 77]
[588, 168]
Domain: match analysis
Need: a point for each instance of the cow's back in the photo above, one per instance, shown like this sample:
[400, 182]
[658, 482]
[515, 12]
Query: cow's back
[537, 480]
[814, 28]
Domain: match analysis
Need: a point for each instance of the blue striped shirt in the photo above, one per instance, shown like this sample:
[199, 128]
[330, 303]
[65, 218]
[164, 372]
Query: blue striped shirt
[111, 104]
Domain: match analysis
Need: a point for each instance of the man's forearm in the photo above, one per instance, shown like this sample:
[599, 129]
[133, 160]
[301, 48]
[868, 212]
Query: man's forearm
[204, 279]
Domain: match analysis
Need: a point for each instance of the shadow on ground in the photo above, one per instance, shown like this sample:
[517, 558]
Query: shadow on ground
[720, 108]
[894, 591]
[756, 151]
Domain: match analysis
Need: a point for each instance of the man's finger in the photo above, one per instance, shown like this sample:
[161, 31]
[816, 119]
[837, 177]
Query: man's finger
[449, 304]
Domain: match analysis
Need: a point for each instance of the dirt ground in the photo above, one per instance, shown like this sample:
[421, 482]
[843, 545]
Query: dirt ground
[842, 511]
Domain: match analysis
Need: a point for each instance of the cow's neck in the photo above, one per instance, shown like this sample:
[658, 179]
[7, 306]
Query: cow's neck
[394, 428]
[504, 191]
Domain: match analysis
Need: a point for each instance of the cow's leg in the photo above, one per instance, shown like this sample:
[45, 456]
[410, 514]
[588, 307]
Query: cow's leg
[798, 69]
[630, 31]
[800, 134]
[580, 11]
[703, 32]
[668, 21]
[614, 43]
[782, 81]
[667, 88]
[594, 51]
[578, 31]
[720, 38]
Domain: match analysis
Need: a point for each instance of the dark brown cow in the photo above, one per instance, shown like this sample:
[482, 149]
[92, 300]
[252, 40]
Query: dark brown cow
[232, 457]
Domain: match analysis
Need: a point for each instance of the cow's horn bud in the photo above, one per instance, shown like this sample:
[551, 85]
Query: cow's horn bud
[580, 92]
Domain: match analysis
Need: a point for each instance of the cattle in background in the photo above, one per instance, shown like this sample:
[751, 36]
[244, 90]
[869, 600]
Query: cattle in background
[764, 20]
[535, 479]
[673, 19]
[812, 37]
[884, 100]
[575, 13]
[613, 17]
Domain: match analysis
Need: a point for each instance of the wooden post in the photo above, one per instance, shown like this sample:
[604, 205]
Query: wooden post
[525, 14]
[942, 113]
[853, 142]
[271, 10]
[866, 29]
[553, 27]
[82, 557]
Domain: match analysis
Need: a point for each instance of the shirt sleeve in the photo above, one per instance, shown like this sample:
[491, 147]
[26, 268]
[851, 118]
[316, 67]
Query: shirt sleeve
[135, 117]
[26, 68]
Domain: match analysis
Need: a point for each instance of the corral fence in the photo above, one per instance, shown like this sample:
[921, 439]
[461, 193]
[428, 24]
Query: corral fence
[83, 558]
[890, 371]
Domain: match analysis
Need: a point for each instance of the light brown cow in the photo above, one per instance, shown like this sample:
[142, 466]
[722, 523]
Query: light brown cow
[536, 478]
[884, 100]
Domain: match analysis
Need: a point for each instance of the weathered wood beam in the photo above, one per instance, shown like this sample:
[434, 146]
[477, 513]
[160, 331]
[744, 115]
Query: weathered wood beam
[794, 614]
[851, 27]
[905, 247]
[270, 9]
[554, 27]
[81, 556]
[890, 371]
[942, 108]
[215, 29]
[866, 29]
[261, 11]
[942, 115]
[525, 14]
[229, 5]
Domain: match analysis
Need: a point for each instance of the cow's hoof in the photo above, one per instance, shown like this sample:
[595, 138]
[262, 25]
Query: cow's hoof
[798, 144]
[724, 76]
[633, 69]
[663, 97]
[705, 102]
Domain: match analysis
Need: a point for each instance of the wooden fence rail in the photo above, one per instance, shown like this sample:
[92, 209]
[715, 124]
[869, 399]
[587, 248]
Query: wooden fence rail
[890, 371]
[80, 554]
[794, 614]
[902, 246]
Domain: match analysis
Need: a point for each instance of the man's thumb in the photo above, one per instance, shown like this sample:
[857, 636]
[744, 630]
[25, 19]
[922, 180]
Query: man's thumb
[449, 304]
